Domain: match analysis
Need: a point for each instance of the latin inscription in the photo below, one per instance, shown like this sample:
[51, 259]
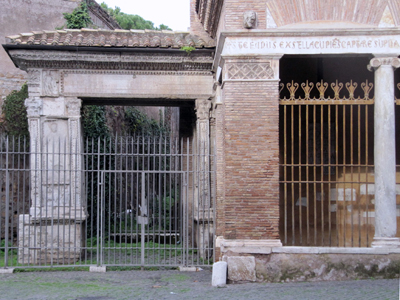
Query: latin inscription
[316, 44]
[311, 45]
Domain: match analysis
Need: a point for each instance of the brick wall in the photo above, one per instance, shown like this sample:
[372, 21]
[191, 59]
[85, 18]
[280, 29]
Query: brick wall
[249, 168]
[195, 25]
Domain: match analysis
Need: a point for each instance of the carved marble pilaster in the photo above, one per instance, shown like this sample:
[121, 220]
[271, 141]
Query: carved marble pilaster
[203, 107]
[73, 108]
[34, 79]
[204, 211]
[385, 151]
[34, 108]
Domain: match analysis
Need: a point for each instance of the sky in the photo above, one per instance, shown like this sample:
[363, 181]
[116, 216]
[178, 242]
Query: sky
[173, 13]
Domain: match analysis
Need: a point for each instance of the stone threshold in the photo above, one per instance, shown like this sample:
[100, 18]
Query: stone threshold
[335, 250]
[234, 247]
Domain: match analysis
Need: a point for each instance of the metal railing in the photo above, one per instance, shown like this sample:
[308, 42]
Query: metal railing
[121, 201]
[326, 169]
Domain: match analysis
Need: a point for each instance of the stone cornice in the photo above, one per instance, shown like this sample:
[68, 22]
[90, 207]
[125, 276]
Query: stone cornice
[178, 61]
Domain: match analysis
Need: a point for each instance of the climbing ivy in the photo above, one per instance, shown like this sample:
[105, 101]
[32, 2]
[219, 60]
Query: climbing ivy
[94, 121]
[139, 123]
[14, 111]
[79, 18]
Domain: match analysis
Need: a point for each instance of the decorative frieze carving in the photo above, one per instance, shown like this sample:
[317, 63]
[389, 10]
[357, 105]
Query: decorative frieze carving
[33, 76]
[66, 60]
[203, 107]
[250, 70]
[34, 107]
[50, 81]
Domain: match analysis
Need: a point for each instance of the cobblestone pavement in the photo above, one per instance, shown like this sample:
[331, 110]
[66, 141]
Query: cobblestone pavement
[179, 285]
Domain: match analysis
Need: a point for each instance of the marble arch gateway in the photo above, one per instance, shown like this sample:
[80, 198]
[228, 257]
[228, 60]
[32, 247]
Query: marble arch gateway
[243, 51]
[66, 68]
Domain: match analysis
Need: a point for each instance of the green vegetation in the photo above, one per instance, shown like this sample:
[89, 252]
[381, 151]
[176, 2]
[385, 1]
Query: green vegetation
[128, 21]
[139, 123]
[12, 254]
[94, 121]
[15, 115]
[188, 49]
[79, 18]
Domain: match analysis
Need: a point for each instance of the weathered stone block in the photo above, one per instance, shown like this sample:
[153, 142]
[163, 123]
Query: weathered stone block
[45, 242]
[241, 268]
[219, 274]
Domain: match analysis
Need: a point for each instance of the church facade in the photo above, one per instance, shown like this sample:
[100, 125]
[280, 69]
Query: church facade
[295, 126]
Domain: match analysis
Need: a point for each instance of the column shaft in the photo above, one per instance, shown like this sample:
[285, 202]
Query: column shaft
[384, 152]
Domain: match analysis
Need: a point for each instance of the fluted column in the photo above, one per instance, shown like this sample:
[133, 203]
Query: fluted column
[385, 151]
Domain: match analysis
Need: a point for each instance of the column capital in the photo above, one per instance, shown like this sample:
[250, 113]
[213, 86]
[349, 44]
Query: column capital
[379, 61]
[203, 107]
[34, 107]
[73, 106]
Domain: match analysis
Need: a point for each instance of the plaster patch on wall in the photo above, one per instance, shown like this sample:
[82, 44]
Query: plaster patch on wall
[270, 20]
[387, 19]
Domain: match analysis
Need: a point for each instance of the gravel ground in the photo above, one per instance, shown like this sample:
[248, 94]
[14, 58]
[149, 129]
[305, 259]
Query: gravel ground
[179, 285]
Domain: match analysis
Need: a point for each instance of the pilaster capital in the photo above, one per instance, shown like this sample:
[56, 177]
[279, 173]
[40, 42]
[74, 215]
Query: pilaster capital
[203, 107]
[73, 106]
[377, 62]
[34, 107]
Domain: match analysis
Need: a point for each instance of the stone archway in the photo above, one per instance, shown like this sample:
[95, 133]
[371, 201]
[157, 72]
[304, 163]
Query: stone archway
[68, 67]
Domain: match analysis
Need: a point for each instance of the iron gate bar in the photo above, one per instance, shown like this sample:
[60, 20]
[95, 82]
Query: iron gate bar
[22, 176]
[143, 204]
[312, 179]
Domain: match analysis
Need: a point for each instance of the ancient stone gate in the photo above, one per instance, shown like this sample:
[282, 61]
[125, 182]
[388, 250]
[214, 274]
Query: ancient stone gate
[68, 69]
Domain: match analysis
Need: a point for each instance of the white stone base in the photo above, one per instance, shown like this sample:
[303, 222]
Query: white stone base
[219, 274]
[48, 242]
[383, 242]
[6, 271]
[96, 269]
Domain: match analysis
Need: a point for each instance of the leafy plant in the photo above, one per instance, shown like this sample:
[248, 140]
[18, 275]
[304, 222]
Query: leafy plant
[139, 123]
[15, 115]
[128, 21]
[79, 18]
[188, 49]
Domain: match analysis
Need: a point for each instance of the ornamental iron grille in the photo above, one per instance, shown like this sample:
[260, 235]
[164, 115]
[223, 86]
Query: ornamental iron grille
[326, 164]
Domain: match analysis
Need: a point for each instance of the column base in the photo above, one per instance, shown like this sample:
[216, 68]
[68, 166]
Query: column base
[49, 243]
[385, 242]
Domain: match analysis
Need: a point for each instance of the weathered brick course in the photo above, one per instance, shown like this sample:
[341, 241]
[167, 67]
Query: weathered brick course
[248, 202]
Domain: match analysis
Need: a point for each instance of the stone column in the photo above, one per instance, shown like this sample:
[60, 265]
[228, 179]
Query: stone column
[53, 231]
[203, 213]
[385, 151]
